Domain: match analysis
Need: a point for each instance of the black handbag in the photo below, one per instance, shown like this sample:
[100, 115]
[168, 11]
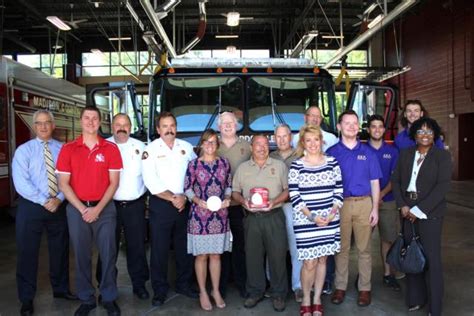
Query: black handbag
[407, 257]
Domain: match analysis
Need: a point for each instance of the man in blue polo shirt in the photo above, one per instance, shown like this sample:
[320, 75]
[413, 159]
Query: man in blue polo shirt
[360, 178]
[389, 220]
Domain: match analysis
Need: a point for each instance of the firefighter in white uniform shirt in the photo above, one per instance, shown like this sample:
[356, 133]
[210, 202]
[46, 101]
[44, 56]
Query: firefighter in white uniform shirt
[130, 203]
[165, 161]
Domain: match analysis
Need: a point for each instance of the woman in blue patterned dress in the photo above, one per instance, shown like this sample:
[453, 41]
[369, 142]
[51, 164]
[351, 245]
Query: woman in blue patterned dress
[208, 232]
[315, 186]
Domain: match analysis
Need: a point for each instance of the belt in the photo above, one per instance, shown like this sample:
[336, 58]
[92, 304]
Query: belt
[412, 195]
[264, 213]
[90, 203]
[127, 203]
[356, 198]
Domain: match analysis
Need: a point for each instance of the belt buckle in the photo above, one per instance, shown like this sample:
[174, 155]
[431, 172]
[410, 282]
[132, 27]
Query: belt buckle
[413, 195]
[123, 203]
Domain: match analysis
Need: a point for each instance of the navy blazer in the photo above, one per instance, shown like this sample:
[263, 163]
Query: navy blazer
[432, 184]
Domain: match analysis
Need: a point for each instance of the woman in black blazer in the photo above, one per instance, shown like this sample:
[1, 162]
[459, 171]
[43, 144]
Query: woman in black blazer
[420, 183]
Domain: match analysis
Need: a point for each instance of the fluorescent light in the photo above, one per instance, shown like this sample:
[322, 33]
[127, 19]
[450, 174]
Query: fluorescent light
[375, 21]
[119, 38]
[227, 36]
[332, 36]
[233, 18]
[60, 24]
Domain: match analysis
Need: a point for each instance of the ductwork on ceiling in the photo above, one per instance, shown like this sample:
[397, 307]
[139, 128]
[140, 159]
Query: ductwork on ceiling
[162, 11]
[155, 21]
[395, 13]
[201, 28]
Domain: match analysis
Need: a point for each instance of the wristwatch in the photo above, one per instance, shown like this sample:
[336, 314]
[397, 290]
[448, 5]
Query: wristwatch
[311, 217]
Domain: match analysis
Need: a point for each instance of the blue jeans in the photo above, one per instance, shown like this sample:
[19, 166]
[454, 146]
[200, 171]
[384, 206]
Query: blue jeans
[295, 263]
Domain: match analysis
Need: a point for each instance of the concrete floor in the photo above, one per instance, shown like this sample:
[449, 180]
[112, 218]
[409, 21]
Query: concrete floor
[458, 250]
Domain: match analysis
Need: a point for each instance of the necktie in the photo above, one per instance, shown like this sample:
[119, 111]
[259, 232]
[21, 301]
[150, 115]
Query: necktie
[49, 162]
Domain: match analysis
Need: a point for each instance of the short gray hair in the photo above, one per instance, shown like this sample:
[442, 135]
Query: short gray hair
[283, 125]
[43, 111]
[219, 118]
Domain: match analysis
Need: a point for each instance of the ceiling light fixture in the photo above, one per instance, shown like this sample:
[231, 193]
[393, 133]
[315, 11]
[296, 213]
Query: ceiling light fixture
[332, 36]
[233, 18]
[303, 43]
[375, 21]
[60, 24]
[120, 38]
[227, 36]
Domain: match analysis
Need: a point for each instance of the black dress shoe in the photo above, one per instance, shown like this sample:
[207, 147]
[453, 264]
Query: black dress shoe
[189, 292]
[27, 309]
[112, 308]
[84, 309]
[67, 296]
[141, 293]
[158, 299]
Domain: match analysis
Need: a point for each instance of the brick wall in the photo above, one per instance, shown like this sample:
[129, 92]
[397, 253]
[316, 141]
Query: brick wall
[436, 42]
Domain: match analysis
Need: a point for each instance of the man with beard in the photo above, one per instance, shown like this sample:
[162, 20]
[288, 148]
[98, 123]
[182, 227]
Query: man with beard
[165, 161]
[389, 220]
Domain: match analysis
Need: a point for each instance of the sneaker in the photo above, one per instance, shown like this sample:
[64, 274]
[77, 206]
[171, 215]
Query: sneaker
[267, 294]
[298, 295]
[279, 304]
[391, 282]
[327, 289]
[399, 275]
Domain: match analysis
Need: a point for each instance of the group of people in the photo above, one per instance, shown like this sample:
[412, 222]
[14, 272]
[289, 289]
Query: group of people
[314, 193]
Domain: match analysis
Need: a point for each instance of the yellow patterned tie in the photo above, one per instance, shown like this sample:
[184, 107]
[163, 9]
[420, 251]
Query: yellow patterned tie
[52, 181]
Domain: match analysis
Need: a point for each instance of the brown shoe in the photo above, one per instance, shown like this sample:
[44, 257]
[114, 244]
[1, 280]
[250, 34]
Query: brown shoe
[338, 296]
[252, 301]
[364, 298]
[279, 304]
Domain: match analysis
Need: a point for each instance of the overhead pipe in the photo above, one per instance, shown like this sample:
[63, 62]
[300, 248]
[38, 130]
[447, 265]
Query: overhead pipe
[162, 10]
[148, 8]
[201, 28]
[396, 12]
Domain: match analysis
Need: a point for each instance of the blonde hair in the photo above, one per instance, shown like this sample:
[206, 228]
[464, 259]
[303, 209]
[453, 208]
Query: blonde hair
[308, 129]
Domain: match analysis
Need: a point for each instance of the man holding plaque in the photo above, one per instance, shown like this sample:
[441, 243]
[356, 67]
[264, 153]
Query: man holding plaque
[260, 185]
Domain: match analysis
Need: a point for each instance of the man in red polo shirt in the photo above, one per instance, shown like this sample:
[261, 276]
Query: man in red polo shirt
[89, 174]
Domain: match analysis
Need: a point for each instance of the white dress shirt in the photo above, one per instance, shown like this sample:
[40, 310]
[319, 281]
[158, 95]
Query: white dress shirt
[328, 140]
[415, 210]
[165, 168]
[131, 185]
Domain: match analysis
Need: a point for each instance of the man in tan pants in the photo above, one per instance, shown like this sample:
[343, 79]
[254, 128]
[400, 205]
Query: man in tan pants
[360, 176]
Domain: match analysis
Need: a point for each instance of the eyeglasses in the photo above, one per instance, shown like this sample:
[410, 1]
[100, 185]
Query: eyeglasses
[426, 132]
[46, 123]
[209, 143]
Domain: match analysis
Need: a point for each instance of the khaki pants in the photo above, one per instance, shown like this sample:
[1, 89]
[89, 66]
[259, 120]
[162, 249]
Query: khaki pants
[355, 218]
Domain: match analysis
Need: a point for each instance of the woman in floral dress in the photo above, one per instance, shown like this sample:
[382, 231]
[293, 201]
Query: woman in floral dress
[208, 231]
